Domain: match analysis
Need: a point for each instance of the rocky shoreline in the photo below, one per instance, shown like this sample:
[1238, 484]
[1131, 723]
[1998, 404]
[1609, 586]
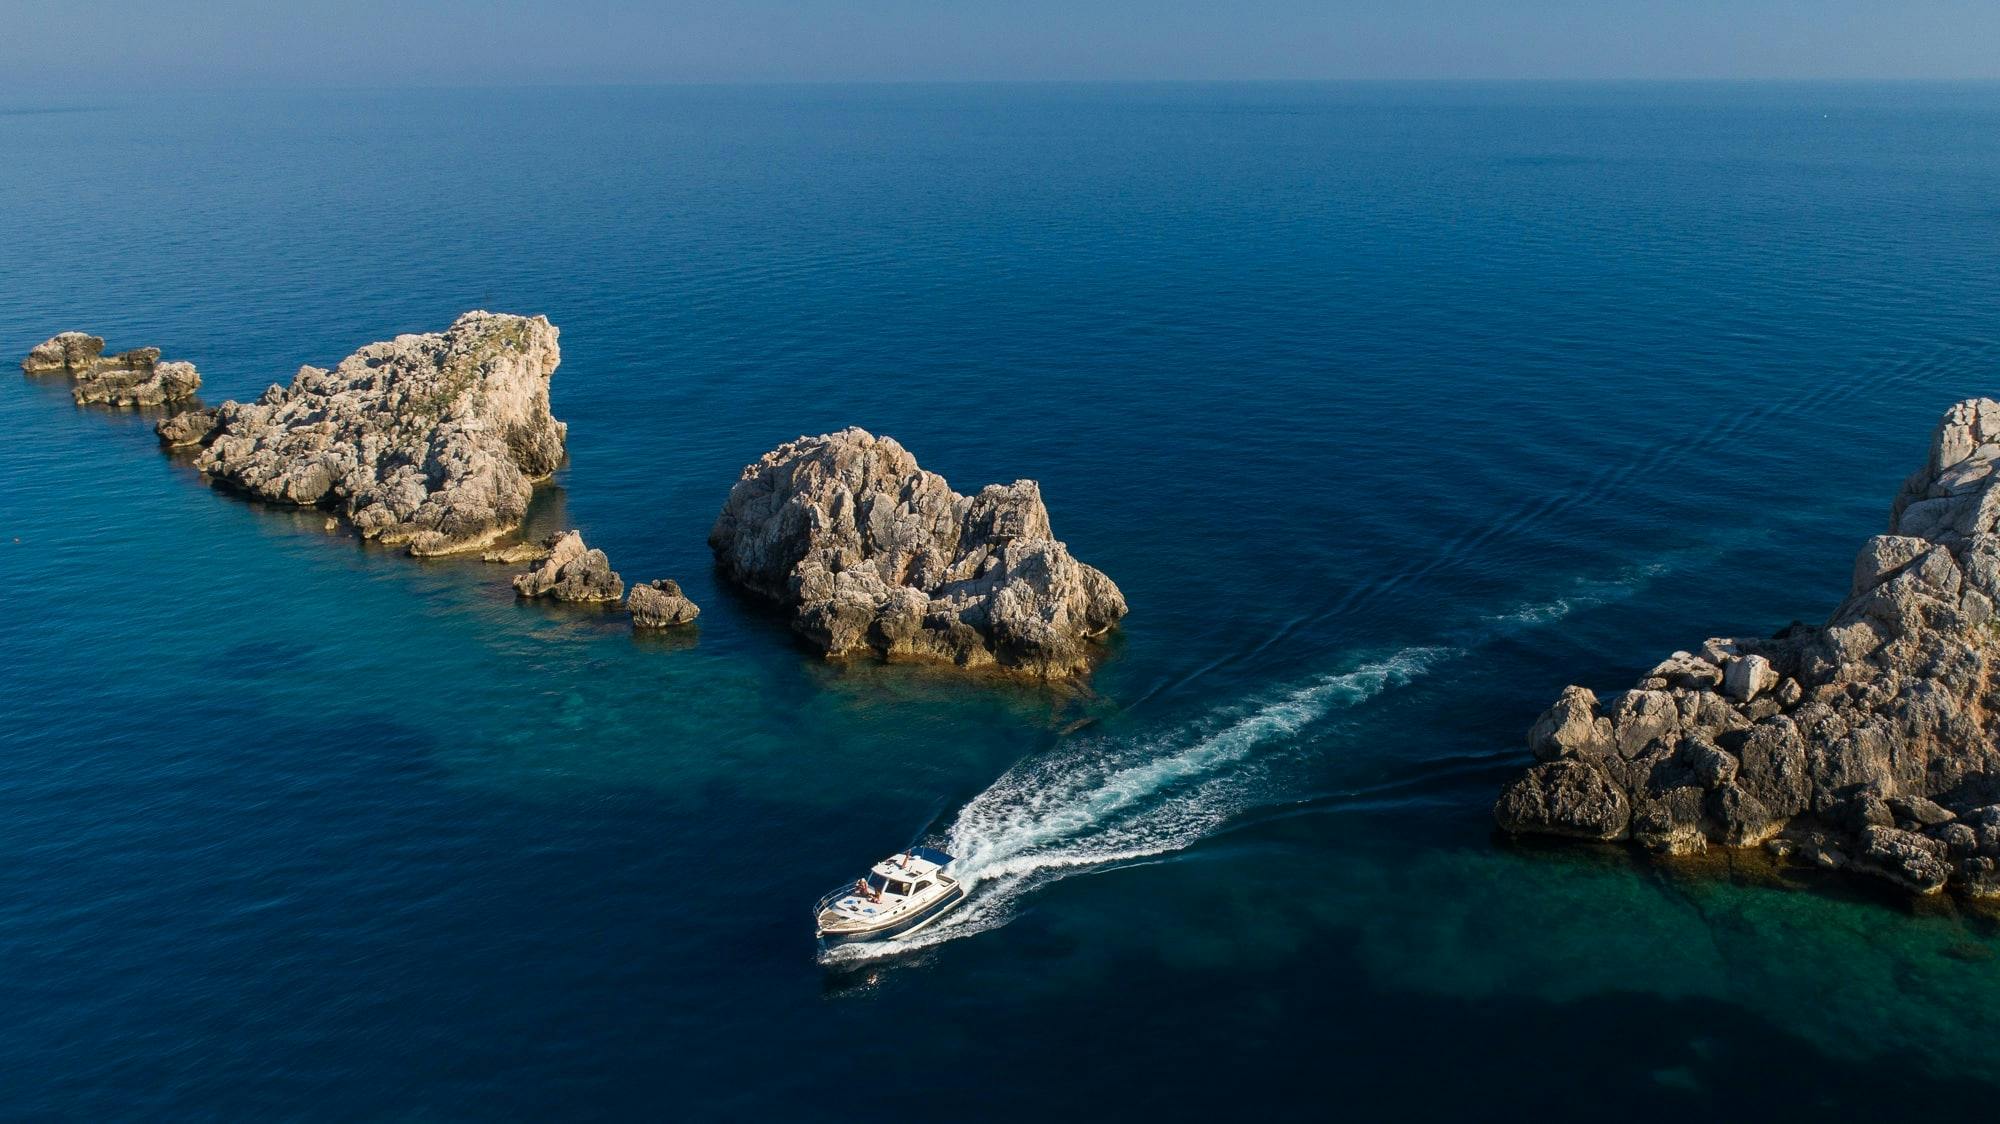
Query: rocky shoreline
[434, 442]
[1865, 744]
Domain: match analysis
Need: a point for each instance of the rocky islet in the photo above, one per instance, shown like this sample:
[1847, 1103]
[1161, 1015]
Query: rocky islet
[130, 378]
[870, 553]
[430, 441]
[1867, 743]
[567, 570]
[660, 604]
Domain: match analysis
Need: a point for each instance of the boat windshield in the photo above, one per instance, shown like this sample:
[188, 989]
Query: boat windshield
[878, 885]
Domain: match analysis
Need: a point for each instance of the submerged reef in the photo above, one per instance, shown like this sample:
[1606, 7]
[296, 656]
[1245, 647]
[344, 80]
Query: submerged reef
[434, 441]
[129, 378]
[873, 554]
[1867, 743]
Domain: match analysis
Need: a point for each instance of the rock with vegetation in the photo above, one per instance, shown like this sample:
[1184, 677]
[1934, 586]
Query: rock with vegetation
[434, 441]
[660, 604]
[129, 378]
[1871, 742]
[570, 571]
[873, 554]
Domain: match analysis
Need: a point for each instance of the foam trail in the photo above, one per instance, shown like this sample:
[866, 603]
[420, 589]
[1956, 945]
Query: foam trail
[1098, 803]
[1586, 594]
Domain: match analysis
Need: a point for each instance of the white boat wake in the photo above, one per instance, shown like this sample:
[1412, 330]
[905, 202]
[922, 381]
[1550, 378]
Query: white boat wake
[1102, 802]
[1099, 803]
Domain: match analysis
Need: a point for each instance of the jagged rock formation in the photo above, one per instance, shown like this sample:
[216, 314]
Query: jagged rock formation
[1868, 743]
[872, 553]
[129, 378]
[189, 427]
[431, 440]
[570, 571]
[660, 604]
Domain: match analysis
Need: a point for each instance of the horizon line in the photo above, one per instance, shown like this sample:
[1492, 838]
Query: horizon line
[760, 83]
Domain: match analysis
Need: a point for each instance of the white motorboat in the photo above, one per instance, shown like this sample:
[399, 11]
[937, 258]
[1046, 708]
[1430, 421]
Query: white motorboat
[900, 895]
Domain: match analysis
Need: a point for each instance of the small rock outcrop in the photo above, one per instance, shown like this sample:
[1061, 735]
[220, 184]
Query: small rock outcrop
[434, 441]
[189, 427]
[570, 571]
[1870, 743]
[874, 554]
[660, 604]
[129, 378]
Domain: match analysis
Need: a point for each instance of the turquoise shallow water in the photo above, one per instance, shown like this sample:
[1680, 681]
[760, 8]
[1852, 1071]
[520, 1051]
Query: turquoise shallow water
[1391, 408]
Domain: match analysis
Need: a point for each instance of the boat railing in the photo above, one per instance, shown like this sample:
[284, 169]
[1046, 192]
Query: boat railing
[831, 897]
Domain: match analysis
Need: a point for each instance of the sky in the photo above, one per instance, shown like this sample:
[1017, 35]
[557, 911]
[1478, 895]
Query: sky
[225, 43]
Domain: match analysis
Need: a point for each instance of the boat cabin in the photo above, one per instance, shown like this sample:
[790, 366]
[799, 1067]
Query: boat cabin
[897, 895]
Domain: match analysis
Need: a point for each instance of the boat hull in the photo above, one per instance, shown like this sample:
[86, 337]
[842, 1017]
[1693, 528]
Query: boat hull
[901, 927]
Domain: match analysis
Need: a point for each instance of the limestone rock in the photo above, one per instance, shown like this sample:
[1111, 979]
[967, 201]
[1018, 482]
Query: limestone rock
[1904, 857]
[570, 571]
[1916, 813]
[189, 427]
[1570, 727]
[1572, 797]
[1872, 741]
[68, 353]
[874, 554]
[130, 378]
[660, 604]
[1749, 677]
[1687, 671]
[433, 440]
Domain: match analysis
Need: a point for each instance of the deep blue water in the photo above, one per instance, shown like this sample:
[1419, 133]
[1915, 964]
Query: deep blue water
[1392, 409]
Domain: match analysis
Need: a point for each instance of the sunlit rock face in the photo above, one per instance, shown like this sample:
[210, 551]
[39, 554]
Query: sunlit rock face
[660, 604]
[434, 441]
[568, 570]
[873, 554]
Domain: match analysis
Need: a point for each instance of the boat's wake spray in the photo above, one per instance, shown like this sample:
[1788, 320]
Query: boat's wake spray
[1101, 802]
[1095, 804]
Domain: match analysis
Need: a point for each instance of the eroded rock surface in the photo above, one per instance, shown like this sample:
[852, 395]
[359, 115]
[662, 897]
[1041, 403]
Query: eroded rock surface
[189, 427]
[129, 378]
[1868, 742]
[660, 604]
[874, 554]
[430, 440]
[570, 571]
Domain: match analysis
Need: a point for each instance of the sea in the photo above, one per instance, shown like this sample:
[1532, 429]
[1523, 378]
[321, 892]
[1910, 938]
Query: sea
[1392, 408]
